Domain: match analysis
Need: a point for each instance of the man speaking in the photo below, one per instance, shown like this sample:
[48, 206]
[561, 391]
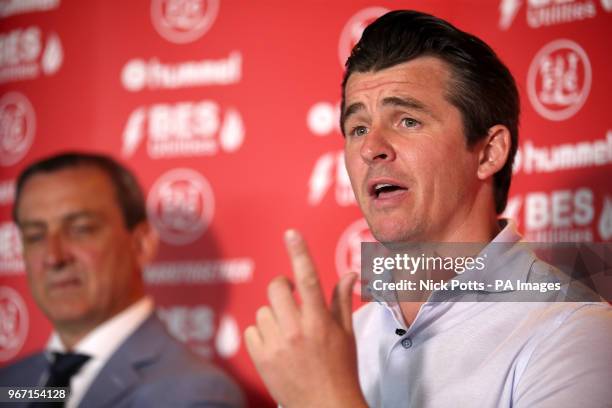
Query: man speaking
[430, 119]
[86, 240]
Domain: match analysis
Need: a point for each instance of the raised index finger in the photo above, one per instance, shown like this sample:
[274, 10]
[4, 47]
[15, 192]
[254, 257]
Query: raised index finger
[306, 278]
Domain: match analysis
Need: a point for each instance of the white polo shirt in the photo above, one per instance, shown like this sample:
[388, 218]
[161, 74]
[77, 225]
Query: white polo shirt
[488, 354]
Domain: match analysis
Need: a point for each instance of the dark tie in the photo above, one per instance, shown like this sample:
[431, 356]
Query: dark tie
[64, 366]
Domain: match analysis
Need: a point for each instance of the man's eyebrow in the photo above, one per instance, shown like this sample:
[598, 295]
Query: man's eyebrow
[351, 110]
[70, 217]
[404, 102]
[30, 224]
[81, 214]
[407, 102]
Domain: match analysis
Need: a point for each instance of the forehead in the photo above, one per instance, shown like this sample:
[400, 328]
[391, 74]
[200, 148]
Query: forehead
[58, 193]
[424, 77]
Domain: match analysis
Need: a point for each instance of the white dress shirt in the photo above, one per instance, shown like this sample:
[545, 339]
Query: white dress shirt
[487, 354]
[100, 344]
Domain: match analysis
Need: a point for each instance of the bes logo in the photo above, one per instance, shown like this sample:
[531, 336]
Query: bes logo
[348, 250]
[181, 206]
[507, 12]
[330, 169]
[183, 21]
[559, 80]
[17, 127]
[227, 342]
[604, 226]
[351, 33]
[13, 323]
[24, 54]
[183, 129]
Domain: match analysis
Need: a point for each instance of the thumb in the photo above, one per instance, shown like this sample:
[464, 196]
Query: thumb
[342, 301]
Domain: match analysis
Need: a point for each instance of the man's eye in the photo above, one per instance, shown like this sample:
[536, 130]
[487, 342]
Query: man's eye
[410, 123]
[359, 131]
[31, 238]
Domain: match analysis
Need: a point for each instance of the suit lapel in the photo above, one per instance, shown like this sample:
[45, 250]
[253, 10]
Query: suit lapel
[121, 374]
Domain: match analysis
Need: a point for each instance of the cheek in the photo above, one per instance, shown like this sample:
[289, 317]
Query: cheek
[432, 175]
[89, 255]
[35, 266]
[36, 281]
[33, 263]
[96, 264]
[424, 163]
[107, 259]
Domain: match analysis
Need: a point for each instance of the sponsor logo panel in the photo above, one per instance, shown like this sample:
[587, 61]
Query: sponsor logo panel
[195, 326]
[351, 33]
[27, 54]
[17, 127]
[233, 271]
[604, 226]
[330, 170]
[181, 205]
[559, 80]
[507, 12]
[183, 21]
[568, 215]
[13, 7]
[323, 118]
[348, 249]
[227, 341]
[14, 323]
[184, 129]
[546, 13]
[548, 159]
[7, 192]
[138, 74]
[11, 260]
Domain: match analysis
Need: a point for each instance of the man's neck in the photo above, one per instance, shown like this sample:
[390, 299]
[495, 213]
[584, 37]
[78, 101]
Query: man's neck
[71, 333]
[410, 310]
[482, 233]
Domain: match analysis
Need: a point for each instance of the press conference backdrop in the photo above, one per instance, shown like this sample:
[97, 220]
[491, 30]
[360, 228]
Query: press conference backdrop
[228, 113]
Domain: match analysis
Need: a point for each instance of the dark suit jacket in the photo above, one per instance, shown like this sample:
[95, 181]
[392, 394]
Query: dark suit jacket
[150, 369]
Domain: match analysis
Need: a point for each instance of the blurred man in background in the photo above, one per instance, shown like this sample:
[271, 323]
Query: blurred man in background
[86, 240]
[430, 119]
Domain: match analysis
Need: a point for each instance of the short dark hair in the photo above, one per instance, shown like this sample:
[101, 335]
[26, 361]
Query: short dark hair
[127, 190]
[482, 87]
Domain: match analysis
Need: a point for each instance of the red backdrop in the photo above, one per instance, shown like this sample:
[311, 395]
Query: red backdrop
[228, 111]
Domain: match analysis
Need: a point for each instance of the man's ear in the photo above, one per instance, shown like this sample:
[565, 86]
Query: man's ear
[145, 240]
[494, 152]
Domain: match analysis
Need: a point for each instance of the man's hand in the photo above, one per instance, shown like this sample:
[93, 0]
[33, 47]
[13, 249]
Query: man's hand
[306, 354]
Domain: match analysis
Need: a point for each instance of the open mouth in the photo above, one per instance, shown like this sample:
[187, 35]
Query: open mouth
[381, 190]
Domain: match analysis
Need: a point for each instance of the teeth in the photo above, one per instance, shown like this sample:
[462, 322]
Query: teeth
[377, 187]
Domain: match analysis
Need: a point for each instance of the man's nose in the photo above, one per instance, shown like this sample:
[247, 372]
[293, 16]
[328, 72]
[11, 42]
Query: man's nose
[376, 147]
[57, 254]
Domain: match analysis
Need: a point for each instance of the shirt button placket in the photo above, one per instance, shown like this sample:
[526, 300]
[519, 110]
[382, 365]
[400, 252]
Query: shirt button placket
[407, 343]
